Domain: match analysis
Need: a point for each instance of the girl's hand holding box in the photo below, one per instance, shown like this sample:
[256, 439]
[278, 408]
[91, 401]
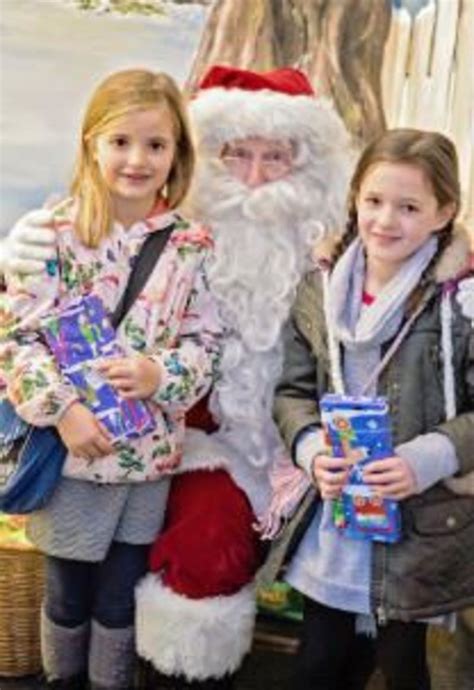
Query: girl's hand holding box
[136, 377]
[358, 429]
[83, 434]
[391, 478]
[330, 474]
[80, 336]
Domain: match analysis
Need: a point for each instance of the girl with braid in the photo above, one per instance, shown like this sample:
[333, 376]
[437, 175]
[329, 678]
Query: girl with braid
[383, 317]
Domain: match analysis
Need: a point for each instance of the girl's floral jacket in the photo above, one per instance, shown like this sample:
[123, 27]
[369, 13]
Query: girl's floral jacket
[173, 320]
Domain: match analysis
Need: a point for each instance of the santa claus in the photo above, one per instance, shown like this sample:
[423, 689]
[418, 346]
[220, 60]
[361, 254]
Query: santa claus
[272, 172]
[272, 175]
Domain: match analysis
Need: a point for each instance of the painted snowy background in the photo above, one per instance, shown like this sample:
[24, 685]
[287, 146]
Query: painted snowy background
[52, 54]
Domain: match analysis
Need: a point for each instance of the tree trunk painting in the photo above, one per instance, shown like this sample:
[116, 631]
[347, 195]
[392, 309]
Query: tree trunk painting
[338, 43]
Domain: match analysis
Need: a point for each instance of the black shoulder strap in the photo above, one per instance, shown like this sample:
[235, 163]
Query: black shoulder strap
[144, 264]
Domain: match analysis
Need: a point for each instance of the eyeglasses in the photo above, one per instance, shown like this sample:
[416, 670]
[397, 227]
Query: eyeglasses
[274, 160]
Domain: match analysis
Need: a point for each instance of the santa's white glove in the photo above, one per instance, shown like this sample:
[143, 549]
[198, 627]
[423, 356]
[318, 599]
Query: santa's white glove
[30, 244]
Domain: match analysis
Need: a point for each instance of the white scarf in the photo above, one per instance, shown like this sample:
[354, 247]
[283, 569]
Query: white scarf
[356, 327]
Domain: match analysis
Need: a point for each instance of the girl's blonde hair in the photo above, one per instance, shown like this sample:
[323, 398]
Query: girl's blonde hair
[432, 152]
[118, 95]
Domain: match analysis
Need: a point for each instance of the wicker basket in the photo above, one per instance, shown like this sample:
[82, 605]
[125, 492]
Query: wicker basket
[21, 591]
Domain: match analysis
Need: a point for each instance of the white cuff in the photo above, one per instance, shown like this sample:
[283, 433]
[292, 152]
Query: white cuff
[311, 444]
[431, 456]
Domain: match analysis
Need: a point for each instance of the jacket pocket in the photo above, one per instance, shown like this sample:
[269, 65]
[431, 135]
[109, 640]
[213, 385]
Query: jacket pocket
[431, 571]
[443, 517]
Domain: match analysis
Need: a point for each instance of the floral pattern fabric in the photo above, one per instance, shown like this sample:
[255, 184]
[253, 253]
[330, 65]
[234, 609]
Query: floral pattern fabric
[174, 321]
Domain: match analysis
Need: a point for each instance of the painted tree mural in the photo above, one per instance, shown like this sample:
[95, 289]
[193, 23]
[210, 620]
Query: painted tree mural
[339, 45]
[380, 64]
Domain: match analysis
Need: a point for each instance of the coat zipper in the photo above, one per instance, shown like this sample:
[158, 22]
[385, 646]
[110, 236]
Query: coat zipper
[380, 583]
[381, 615]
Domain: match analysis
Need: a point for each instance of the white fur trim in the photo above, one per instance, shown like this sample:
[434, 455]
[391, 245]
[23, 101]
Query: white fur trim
[197, 638]
[460, 485]
[333, 345]
[202, 451]
[448, 366]
[222, 115]
[216, 451]
[465, 297]
[455, 257]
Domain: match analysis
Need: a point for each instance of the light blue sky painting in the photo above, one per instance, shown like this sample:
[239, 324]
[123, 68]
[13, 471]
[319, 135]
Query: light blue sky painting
[52, 56]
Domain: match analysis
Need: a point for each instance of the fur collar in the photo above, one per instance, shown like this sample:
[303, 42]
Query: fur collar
[454, 261]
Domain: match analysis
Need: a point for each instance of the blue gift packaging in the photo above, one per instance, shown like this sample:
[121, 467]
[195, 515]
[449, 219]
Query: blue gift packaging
[80, 335]
[359, 428]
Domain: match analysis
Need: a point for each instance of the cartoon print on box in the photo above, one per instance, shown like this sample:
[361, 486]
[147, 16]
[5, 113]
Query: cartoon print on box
[79, 336]
[358, 427]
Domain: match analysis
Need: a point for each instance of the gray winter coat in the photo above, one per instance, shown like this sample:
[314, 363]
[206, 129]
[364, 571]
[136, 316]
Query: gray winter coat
[431, 571]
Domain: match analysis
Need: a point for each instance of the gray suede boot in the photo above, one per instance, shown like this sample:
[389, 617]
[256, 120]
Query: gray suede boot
[64, 652]
[111, 657]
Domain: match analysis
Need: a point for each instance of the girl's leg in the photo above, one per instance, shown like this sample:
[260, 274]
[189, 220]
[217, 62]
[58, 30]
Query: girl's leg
[65, 618]
[401, 654]
[360, 663]
[464, 640]
[112, 649]
[327, 658]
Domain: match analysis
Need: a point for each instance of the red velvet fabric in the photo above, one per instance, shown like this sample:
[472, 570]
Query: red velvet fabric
[284, 80]
[199, 417]
[208, 546]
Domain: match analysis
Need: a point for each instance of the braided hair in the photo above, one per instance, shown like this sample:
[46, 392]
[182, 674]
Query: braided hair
[436, 156]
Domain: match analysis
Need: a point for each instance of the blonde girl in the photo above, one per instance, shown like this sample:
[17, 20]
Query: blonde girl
[385, 320]
[133, 169]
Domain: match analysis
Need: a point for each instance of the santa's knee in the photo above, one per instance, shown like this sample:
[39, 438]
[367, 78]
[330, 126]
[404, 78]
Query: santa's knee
[209, 545]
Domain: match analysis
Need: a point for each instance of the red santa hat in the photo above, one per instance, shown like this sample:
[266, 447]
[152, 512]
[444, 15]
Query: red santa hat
[285, 80]
[234, 103]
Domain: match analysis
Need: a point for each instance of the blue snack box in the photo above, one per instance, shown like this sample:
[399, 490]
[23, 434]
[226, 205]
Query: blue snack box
[78, 336]
[359, 427]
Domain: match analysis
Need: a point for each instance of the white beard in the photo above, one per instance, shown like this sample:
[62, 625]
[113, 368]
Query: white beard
[262, 240]
[262, 244]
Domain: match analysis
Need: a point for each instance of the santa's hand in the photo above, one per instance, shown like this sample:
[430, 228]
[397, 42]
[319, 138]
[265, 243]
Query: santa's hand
[30, 244]
[391, 478]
